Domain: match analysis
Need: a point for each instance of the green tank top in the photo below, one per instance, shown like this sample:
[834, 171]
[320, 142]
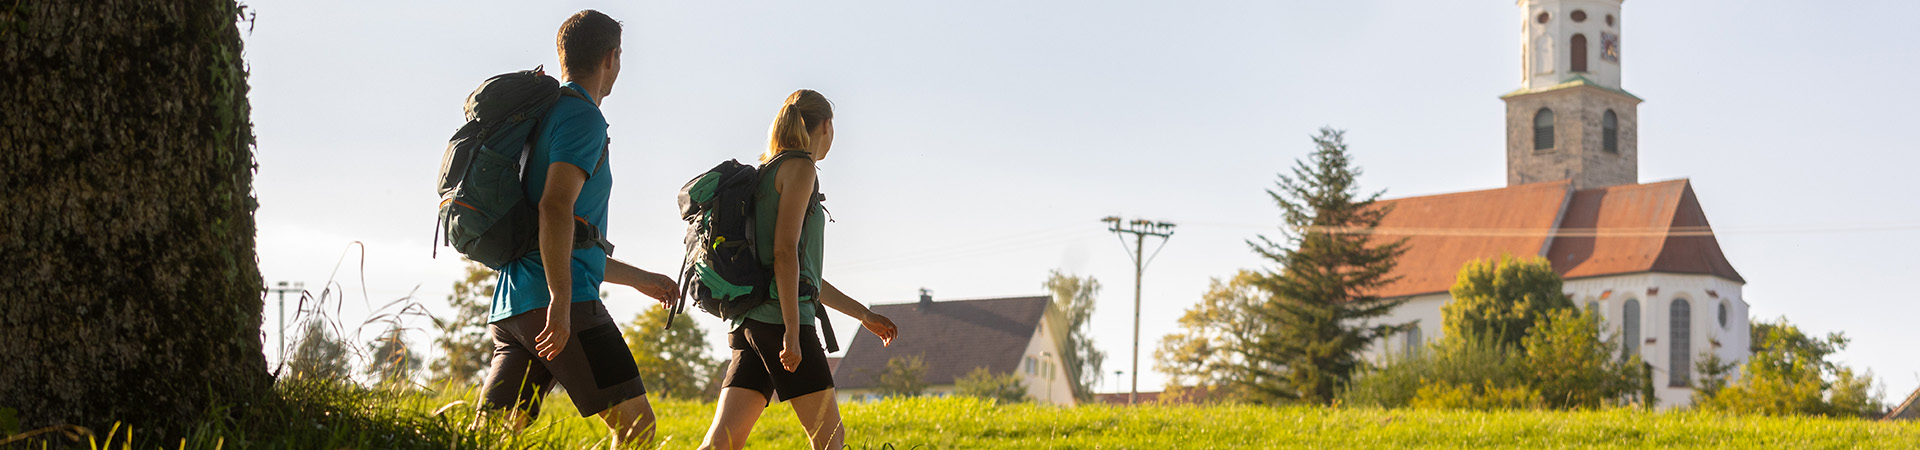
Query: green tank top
[766, 207]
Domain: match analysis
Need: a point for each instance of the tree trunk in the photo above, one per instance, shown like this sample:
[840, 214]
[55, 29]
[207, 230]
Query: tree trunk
[131, 292]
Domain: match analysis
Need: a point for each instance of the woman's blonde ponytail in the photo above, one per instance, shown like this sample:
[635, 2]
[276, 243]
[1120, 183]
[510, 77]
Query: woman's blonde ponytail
[801, 114]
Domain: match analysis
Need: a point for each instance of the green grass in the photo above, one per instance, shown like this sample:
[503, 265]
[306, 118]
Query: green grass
[331, 417]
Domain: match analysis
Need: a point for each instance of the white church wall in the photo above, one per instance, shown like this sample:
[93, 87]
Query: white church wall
[1655, 294]
[1557, 36]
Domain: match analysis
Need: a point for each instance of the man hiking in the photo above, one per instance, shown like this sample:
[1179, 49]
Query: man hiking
[547, 322]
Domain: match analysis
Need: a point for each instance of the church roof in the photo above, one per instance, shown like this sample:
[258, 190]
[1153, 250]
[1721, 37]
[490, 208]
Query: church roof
[952, 337]
[1652, 227]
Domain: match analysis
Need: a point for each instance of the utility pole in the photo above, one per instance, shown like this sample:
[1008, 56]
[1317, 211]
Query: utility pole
[282, 288]
[1140, 229]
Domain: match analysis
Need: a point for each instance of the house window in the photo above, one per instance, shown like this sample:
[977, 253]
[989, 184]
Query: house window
[1579, 52]
[1679, 348]
[1630, 329]
[1029, 364]
[1543, 129]
[1610, 132]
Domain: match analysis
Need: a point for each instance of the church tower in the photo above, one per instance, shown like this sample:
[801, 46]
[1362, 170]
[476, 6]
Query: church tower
[1570, 120]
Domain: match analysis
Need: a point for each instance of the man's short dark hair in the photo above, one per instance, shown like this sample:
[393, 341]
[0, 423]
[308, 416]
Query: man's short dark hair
[585, 40]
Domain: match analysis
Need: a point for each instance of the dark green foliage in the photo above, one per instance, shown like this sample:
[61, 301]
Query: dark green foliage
[1471, 362]
[1572, 365]
[392, 362]
[1209, 354]
[904, 376]
[126, 223]
[673, 361]
[1789, 374]
[1073, 301]
[464, 347]
[320, 354]
[1003, 388]
[1326, 270]
[1714, 374]
[1502, 299]
[1567, 365]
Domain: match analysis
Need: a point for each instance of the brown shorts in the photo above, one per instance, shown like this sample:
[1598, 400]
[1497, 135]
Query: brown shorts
[595, 366]
[756, 362]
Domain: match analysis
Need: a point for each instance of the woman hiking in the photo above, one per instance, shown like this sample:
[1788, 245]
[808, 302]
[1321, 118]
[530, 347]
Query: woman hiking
[776, 350]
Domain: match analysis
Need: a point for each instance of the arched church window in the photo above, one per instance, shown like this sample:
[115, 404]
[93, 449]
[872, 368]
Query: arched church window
[1679, 346]
[1414, 342]
[1723, 314]
[1630, 329]
[1610, 132]
[1578, 48]
[1543, 129]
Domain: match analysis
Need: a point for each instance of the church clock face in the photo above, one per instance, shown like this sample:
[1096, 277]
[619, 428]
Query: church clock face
[1610, 47]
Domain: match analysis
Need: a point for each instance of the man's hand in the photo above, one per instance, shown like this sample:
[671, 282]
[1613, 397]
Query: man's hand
[880, 326]
[559, 327]
[790, 351]
[660, 287]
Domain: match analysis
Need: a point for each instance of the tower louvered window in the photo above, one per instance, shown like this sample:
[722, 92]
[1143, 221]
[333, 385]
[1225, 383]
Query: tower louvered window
[1630, 329]
[1543, 129]
[1610, 132]
[1679, 346]
[1579, 51]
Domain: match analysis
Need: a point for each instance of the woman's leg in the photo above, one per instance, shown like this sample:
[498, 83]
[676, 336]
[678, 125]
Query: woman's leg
[733, 418]
[820, 415]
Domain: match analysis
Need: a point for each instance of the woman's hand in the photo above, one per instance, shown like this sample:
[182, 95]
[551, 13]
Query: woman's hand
[660, 287]
[880, 326]
[790, 350]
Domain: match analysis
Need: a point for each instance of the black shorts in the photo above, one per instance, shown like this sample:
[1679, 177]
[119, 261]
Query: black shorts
[756, 362]
[596, 367]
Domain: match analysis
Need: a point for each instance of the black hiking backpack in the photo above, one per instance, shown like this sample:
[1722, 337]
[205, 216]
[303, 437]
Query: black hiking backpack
[483, 202]
[722, 271]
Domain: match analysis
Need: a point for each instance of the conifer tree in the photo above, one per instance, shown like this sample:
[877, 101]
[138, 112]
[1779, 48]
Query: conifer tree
[1326, 270]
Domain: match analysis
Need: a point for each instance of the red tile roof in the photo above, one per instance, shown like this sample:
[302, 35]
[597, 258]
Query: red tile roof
[1445, 231]
[1653, 227]
[952, 337]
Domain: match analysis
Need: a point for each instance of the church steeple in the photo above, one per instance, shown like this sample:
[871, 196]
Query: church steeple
[1571, 120]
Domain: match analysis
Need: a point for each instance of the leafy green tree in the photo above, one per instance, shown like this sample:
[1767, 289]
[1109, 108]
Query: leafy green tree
[1789, 374]
[904, 376]
[1502, 299]
[673, 360]
[1321, 313]
[319, 355]
[1002, 388]
[1217, 335]
[393, 361]
[1448, 365]
[1572, 366]
[1073, 299]
[464, 347]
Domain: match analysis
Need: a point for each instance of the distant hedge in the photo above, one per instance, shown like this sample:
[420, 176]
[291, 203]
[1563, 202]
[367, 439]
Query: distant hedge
[131, 289]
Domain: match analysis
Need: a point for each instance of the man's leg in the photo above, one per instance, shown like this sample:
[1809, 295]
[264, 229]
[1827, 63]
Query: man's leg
[733, 418]
[631, 421]
[819, 414]
[515, 382]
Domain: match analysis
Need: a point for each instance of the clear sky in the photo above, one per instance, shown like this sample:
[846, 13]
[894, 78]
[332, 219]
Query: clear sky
[979, 143]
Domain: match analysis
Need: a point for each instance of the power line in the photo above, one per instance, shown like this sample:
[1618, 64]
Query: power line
[1683, 231]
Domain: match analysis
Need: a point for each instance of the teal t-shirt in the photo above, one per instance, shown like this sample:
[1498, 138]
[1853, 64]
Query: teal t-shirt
[575, 133]
[813, 231]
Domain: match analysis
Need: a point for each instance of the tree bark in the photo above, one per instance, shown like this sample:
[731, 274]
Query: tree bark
[131, 291]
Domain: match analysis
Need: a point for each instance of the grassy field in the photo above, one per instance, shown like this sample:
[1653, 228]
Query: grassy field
[361, 419]
[961, 423]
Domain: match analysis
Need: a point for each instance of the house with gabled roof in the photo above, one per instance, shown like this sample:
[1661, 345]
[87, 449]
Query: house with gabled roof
[1018, 335]
[1906, 410]
[1641, 254]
